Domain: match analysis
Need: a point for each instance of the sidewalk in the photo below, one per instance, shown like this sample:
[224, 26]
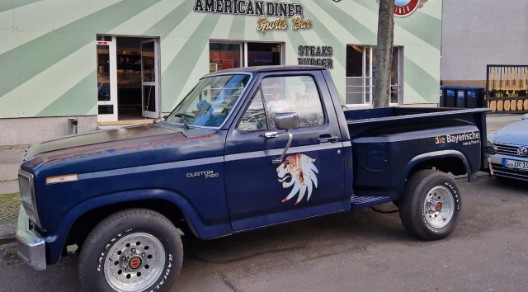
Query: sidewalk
[11, 156]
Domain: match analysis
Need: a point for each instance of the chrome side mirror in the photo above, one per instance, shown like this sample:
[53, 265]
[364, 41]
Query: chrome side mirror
[284, 121]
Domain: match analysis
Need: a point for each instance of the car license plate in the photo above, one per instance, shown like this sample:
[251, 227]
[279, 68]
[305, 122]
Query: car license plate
[515, 164]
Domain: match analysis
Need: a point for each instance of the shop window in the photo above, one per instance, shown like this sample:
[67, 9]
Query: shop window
[227, 55]
[263, 54]
[224, 56]
[361, 63]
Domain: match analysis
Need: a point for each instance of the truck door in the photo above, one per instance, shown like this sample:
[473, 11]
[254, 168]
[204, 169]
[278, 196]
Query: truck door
[309, 180]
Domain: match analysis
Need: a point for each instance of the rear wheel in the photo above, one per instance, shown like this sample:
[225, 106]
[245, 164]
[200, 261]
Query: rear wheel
[430, 205]
[132, 250]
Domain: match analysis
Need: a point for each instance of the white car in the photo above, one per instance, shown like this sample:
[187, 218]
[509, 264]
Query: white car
[508, 149]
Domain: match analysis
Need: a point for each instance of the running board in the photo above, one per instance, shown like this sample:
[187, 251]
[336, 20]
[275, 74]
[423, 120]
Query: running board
[367, 201]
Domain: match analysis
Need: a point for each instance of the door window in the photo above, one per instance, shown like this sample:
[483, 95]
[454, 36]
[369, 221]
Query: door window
[106, 79]
[297, 94]
[254, 118]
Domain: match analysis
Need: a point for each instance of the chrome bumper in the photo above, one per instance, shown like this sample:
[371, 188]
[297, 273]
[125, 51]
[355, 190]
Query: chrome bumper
[31, 247]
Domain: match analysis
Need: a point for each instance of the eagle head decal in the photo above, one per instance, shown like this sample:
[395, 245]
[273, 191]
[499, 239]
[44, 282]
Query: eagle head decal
[298, 171]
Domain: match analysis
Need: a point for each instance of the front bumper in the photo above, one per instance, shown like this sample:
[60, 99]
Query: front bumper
[31, 247]
[498, 169]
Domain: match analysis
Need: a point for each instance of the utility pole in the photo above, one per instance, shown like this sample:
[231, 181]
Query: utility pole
[382, 72]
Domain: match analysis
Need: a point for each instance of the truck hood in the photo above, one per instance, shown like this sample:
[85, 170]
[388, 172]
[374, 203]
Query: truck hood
[513, 134]
[124, 147]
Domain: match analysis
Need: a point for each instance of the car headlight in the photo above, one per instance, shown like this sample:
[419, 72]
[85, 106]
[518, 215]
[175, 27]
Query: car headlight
[27, 195]
[492, 149]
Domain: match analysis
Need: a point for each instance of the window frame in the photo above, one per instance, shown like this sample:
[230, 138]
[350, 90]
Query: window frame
[367, 87]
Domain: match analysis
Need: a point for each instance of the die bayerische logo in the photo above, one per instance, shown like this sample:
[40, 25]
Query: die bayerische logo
[298, 171]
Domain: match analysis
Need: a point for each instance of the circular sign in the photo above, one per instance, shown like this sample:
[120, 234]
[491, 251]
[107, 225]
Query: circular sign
[404, 8]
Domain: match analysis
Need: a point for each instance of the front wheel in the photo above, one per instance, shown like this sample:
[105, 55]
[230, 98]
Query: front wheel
[132, 250]
[430, 205]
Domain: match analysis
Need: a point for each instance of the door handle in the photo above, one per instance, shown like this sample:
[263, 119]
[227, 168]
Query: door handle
[271, 135]
[325, 138]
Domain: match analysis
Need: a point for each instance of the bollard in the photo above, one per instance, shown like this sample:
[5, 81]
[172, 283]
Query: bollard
[72, 123]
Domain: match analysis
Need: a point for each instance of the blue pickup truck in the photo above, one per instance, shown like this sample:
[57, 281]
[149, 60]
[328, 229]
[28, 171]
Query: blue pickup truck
[245, 149]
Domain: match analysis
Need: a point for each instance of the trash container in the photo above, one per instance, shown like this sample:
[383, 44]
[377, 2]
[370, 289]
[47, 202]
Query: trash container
[462, 96]
[474, 97]
[448, 98]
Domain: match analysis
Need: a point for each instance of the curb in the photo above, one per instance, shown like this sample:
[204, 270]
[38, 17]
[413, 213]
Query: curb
[7, 233]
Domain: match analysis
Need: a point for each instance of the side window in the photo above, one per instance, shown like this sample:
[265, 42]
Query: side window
[254, 118]
[293, 94]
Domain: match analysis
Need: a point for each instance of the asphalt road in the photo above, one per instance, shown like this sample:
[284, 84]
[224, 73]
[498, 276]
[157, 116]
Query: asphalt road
[361, 251]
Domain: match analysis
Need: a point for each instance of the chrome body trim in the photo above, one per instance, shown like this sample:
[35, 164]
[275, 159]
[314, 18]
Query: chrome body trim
[31, 247]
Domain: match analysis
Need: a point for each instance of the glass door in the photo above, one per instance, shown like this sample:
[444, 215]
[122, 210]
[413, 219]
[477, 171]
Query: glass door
[150, 79]
[106, 79]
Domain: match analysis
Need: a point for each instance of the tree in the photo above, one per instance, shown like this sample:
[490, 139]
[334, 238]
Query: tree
[382, 71]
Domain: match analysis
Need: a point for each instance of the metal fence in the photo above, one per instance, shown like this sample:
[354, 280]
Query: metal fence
[506, 88]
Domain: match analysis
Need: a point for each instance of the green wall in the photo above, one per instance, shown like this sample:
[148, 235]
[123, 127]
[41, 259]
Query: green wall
[48, 54]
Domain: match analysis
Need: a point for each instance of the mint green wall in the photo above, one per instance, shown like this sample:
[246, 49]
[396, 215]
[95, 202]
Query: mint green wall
[48, 56]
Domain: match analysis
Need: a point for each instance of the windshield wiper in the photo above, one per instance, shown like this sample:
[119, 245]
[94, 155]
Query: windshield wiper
[185, 118]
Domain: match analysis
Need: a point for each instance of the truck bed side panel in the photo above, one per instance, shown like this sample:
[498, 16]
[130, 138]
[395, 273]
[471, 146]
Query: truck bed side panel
[383, 162]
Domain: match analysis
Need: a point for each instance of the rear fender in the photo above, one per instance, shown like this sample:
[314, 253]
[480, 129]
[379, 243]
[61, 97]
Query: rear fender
[424, 158]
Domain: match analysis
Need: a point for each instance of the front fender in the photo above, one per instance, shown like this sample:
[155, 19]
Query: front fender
[55, 241]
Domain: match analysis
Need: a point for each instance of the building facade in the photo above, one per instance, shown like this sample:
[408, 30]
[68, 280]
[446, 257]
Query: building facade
[475, 35]
[110, 61]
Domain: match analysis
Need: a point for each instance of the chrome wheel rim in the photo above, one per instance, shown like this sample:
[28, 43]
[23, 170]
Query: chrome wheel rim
[134, 262]
[439, 207]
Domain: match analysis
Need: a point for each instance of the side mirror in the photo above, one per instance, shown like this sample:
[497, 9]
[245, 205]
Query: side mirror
[286, 121]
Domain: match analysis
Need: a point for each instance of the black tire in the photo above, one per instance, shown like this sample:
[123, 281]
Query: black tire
[440, 219]
[107, 249]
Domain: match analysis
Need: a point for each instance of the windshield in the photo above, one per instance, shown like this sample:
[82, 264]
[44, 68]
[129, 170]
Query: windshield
[210, 102]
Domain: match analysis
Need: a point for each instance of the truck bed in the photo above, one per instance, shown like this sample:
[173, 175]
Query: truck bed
[372, 122]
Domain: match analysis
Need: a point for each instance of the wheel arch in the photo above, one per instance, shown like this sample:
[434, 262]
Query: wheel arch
[80, 220]
[446, 161]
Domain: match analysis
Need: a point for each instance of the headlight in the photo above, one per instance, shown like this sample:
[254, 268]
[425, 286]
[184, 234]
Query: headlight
[491, 148]
[27, 195]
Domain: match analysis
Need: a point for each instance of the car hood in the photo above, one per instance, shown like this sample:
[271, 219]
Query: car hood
[124, 147]
[513, 134]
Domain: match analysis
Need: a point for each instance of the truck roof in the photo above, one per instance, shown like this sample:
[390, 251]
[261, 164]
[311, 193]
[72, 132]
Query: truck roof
[276, 68]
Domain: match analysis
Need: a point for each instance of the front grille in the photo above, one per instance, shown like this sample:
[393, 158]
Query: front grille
[500, 170]
[507, 149]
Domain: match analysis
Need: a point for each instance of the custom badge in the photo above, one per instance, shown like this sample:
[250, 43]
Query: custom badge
[298, 171]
